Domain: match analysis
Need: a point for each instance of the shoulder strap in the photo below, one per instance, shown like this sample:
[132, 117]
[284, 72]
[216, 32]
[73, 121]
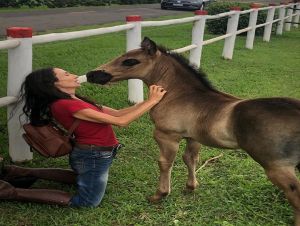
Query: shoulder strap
[73, 126]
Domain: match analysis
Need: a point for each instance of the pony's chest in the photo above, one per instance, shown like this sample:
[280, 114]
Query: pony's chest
[173, 117]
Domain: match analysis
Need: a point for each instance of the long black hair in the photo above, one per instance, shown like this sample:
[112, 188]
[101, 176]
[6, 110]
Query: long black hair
[38, 91]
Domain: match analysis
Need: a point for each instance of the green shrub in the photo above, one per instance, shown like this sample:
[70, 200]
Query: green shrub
[19, 3]
[69, 3]
[61, 3]
[219, 26]
[4, 3]
[32, 3]
[10, 3]
[130, 2]
[93, 2]
[72, 3]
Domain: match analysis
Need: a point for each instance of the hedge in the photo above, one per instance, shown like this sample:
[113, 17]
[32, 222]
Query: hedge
[219, 26]
[69, 3]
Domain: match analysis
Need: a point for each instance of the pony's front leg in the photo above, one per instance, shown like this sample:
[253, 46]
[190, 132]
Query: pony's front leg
[168, 144]
[191, 159]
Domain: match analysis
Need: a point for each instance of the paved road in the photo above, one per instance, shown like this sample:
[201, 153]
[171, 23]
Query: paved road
[71, 17]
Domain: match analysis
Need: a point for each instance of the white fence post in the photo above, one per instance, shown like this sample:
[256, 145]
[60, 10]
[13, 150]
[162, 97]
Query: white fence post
[252, 24]
[288, 23]
[296, 18]
[197, 37]
[19, 65]
[268, 27]
[232, 25]
[134, 38]
[280, 24]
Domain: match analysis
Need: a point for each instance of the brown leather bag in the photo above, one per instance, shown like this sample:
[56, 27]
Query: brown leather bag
[49, 140]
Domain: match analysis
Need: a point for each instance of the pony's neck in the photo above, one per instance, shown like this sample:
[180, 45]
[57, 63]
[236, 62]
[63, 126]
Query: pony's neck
[168, 72]
[161, 72]
[179, 79]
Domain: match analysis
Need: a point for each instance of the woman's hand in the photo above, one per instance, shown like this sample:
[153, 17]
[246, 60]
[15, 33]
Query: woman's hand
[156, 93]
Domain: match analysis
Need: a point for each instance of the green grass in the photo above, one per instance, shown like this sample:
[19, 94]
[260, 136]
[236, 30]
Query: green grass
[233, 189]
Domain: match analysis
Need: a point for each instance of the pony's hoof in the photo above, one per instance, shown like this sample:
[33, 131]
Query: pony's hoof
[154, 199]
[188, 191]
[158, 197]
[191, 187]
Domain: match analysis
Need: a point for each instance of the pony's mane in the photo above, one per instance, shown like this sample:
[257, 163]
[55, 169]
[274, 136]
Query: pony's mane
[198, 73]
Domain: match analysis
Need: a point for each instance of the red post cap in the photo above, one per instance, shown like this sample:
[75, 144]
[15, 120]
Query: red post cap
[201, 12]
[255, 5]
[235, 8]
[19, 32]
[272, 4]
[133, 18]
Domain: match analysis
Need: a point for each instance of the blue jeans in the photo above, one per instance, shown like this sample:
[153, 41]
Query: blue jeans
[92, 167]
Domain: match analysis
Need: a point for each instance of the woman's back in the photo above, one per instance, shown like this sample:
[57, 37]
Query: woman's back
[100, 134]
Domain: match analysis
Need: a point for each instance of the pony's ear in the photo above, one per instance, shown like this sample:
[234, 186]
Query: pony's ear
[149, 46]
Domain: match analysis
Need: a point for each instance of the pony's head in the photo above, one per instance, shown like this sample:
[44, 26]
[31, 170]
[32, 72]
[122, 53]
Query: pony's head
[133, 64]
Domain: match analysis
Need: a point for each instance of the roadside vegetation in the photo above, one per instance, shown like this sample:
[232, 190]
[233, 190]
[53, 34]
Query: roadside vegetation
[219, 26]
[69, 3]
[233, 189]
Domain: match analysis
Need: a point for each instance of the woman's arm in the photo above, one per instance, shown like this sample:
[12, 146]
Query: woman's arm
[120, 112]
[155, 95]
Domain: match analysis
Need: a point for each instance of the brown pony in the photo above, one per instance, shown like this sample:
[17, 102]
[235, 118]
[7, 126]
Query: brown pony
[268, 129]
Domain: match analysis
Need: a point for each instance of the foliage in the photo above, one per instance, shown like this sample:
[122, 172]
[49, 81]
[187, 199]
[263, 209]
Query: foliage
[60, 3]
[10, 3]
[19, 3]
[233, 190]
[69, 3]
[219, 26]
[130, 2]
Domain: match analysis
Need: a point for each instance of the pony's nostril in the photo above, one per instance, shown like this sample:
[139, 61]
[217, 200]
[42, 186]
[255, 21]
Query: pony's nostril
[100, 77]
[89, 74]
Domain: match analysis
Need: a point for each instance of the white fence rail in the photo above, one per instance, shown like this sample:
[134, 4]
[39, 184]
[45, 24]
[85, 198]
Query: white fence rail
[20, 42]
[78, 34]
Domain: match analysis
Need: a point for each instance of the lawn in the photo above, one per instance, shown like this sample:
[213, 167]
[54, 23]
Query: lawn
[233, 189]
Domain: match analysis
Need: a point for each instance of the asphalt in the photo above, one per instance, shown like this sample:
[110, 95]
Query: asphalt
[51, 19]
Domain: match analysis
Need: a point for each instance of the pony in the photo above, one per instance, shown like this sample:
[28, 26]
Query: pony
[268, 129]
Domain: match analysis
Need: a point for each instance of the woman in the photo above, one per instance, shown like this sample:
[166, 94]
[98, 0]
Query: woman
[50, 93]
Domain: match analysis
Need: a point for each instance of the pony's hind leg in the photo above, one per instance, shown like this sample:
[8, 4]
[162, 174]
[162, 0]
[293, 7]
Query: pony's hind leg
[191, 159]
[285, 178]
[168, 144]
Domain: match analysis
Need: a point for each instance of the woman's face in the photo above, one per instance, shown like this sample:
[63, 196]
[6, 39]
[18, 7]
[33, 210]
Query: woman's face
[66, 81]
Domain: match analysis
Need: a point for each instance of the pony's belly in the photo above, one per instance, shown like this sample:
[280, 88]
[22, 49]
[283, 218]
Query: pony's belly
[217, 140]
[215, 131]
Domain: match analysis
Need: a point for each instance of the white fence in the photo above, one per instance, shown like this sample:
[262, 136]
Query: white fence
[20, 41]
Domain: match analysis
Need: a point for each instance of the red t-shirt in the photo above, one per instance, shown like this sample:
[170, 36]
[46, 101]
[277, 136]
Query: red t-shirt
[100, 134]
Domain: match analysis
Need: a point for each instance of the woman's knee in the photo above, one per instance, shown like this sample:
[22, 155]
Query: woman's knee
[78, 201]
[92, 203]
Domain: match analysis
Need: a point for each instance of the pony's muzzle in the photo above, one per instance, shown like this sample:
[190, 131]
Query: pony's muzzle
[98, 77]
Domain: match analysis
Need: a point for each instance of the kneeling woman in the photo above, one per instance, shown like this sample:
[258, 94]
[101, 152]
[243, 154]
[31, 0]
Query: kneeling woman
[50, 93]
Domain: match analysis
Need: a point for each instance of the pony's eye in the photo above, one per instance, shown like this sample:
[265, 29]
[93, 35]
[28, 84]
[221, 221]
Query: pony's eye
[130, 62]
